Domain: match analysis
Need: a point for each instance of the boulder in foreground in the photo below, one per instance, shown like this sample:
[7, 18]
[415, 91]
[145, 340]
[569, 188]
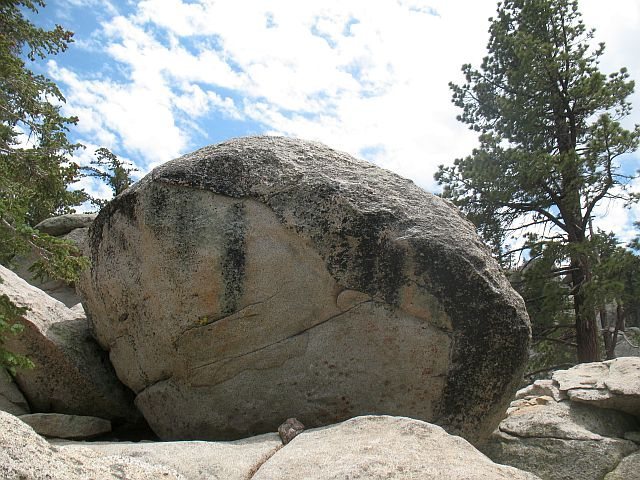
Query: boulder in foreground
[236, 460]
[372, 447]
[380, 447]
[25, 455]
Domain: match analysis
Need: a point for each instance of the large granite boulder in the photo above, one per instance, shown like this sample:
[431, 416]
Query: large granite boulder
[72, 374]
[267, 278]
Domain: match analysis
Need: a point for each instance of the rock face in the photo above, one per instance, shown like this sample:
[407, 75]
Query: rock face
[559, 458]
[72, 374]
[236, 460]
[611, 384]
[59, 425]
[382, 448]
[557, 430]
[541, 388]
[24, 455]
[568, 421]
[628, 469]
[307, 283]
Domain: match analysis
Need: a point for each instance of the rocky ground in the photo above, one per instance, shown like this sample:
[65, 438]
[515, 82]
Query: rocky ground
[582, 424]
[371, 447]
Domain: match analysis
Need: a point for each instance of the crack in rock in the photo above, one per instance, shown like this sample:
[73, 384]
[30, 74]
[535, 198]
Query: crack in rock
[290, 337]
[261, 462]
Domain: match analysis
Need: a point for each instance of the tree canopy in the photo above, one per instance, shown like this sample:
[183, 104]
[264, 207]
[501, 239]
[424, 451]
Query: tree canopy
[35, 155]
[551, 143]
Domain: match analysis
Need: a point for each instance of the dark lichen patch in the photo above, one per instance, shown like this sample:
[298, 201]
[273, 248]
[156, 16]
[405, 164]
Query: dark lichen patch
[234, 257]
[365, 252]
[186, 221]
[230, 176]
[125, 204]
[174, 219]
[378, 261]
[491, 334]
[357, 245]
[219, 173]
[160, 201]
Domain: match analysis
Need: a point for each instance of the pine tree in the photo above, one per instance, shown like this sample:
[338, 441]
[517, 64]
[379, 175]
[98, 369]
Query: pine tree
[550, 142]
[112, 171]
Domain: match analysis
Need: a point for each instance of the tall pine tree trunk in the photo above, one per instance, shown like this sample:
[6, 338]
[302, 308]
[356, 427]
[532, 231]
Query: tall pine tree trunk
[586, 326]
[607, 332]
[587, 331]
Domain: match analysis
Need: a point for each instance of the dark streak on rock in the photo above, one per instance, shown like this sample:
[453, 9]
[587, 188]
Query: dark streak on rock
[233, 267]
[124, 204]
[376, 260]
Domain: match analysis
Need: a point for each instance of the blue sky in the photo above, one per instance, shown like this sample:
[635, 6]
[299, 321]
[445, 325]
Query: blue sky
[154, 79]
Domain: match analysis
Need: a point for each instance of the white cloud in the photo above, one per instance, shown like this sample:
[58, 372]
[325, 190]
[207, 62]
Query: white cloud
[345, 73]
[617, 24]
[138, 113]
[64, 9]
[611, 216]
[369, 78]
